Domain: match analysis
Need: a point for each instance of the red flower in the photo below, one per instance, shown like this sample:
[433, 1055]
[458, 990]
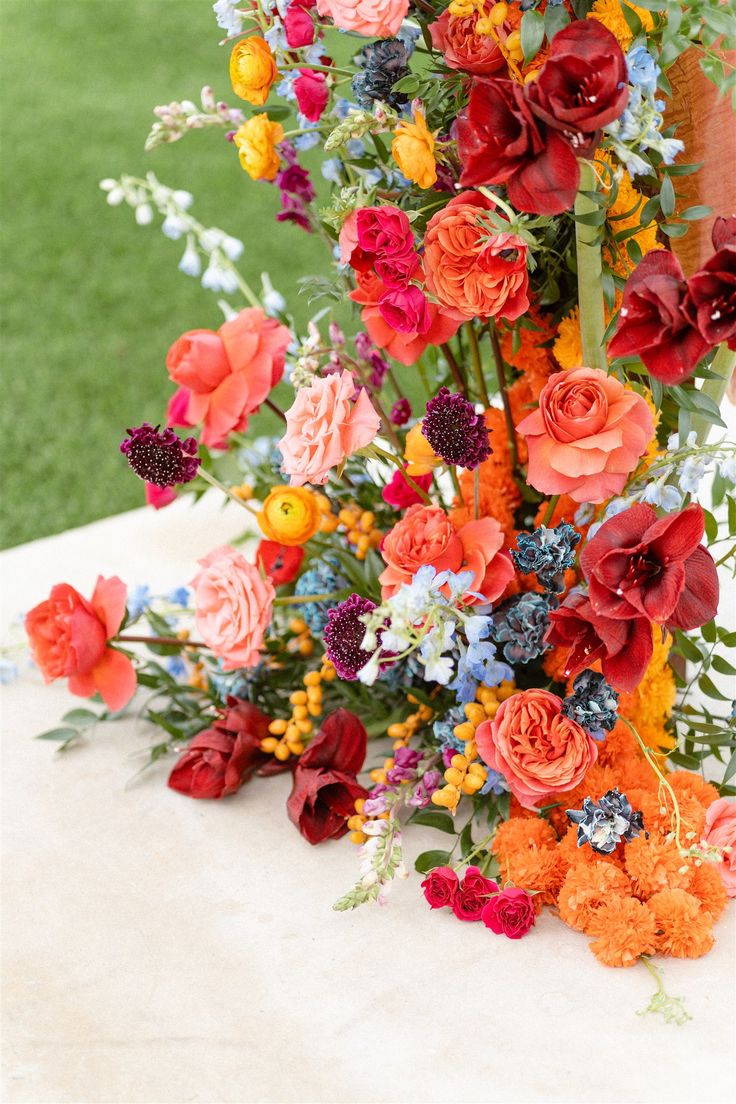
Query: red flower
[325, 785]
[510, 913]
[499, 140]
[724, 232]
[711, 301]
[653, 323]
[400, 494]
[219, 760]
[312, 93]
[640, 566]
[440, 887]
[384, 232]
[406, 309]
[472, 895]
[298, 24]
[158, 497]
[280, 562]
[624, 647]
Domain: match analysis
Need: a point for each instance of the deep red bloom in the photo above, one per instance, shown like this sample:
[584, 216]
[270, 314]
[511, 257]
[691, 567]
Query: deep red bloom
[406, 309]
[281, 562]
[325, 785]
[298, 24]
[500, 141]
[440, 887]
[653, 323]
[219, 760]
[724, 232]
[624, 647]
[472, 895]
[510, 913]
[711, 300]
[400, 493]
[312, 93]
[640, 566]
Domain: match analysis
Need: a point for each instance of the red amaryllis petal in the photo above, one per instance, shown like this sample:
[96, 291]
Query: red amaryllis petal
[321, 801]
[661, 594]
[280, 562]
[624, 530]
[676, 536]
[548, 185]
[341, 744]
[625, 669]
[698, 601]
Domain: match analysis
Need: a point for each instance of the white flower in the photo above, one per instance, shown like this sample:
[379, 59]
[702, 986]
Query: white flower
[691, 473]
[273, 301]
[174, 225]
[182, 199]
[115, 196]
[190, 263]
[370, 671]
[228, 17]
[144, 214]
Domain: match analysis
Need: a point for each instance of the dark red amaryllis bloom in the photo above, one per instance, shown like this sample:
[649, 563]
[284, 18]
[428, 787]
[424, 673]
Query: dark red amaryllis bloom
[325, 785]
[653, 323]
[711, 300]
[623, 647]
[219, 760]
[638, 565]
[280, 562]
[160, 457]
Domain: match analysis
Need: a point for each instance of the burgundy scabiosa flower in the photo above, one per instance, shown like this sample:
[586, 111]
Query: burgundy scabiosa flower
[344, 634]
[160, 457]
[455, 431]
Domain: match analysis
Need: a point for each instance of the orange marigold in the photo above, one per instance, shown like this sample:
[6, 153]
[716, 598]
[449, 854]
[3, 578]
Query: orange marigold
[585, 888]
[683, 927]
[499, 496]
[625, 929]
[654, 864]
[620, 745]
[707, 885]
[685, 783]
[555, 663]
[521, 834]
[539, 870]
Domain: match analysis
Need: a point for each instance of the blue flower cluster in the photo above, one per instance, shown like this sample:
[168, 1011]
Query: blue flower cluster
[322, 578]
[593, 704]
[605, 823]
[547, 553]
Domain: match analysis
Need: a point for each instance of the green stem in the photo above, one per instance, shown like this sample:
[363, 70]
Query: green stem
[663, 783]
[502, 390]
[590, 274]
[477, 364]
[723, 364]
[455, 481]
[550, 509]
[209, 478]
[300, 599]
[457, 374]
[400, 465]
[163, 641]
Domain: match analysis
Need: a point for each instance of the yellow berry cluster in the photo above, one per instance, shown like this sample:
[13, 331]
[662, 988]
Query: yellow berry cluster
[402, 731]
[329, 521]
[301, 642]
[287, 736]
[243, 491]
[356, 822]
[361, 529]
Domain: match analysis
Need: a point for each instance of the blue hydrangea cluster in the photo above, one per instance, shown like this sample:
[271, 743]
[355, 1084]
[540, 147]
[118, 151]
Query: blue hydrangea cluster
[547, 553]
[322, 578]
[604, 823]
[520, 625]
[593, 704]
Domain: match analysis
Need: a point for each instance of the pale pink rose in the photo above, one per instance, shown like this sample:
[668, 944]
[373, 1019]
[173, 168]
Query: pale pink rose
[720, 831]
[381, 18]
[233, 603]
[324, 426]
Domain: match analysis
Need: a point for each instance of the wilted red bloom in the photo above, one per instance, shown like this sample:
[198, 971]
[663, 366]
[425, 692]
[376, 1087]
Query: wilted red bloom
[640, 566]
[653, 323]
[281, 562]
[711, 301]
[219, 760]
[325, 785]
[624, 647]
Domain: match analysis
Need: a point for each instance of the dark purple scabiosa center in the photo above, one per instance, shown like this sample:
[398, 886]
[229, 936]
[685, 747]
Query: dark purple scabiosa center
[161, 458]
[344, 634]
[455, 431]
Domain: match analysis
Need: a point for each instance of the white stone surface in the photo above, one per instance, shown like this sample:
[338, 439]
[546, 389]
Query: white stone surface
[158, 949]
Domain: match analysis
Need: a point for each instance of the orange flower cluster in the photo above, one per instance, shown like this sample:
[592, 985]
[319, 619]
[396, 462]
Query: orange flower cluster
[498, 495]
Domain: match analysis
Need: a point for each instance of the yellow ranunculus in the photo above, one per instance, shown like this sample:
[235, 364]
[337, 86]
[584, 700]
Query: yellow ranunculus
[252, 70]
[420, 457]
[290, 515]
[256, 140]
[413, 151]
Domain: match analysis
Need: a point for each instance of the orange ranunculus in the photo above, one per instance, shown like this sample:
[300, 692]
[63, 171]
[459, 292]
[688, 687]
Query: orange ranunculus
[425, 535]
[586, 436]
[252, 70]
[537, 749]
[69, 639]
[256, 141]
[470, 267]
[413, 151]
[290, 515]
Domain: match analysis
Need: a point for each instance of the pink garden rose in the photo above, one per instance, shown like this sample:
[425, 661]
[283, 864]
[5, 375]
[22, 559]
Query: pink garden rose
[233, 607]
[312, 93]
[379, 18]
[324, 426]
[720, 831]
[402, 346]
[587, 435]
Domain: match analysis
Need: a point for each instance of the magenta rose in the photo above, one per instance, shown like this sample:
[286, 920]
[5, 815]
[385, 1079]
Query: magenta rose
[473, 895]
[312, 93]
[400, 494]
[406, 309]
[440, 887]
[298, 24]
[384, 231]
[510, 913]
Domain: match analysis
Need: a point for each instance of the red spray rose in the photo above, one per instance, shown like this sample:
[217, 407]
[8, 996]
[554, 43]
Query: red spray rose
[325, 785]
[312, 93]
[640, 566]
[406, 309]
[624, 647]
[472, 895]
[440, 887]
[298, 24]
[399, 492]
[219, 760]
[653, 323]
[280, 562]
[384, 232]
[510, 913]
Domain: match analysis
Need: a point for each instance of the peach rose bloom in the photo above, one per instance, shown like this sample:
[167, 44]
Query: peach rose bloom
[228, 374]
[380, 18]
[586, 436]
[69, 637]
[404, 347]
[537, 749]
[463, 48]
[720, 831]
[425, 535]
[233, 607]
[469, 268]
[324, 426]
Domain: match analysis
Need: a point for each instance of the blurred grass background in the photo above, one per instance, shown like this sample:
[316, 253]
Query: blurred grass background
[91, 301]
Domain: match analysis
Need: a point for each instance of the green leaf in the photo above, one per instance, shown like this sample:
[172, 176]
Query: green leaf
[667, 196]
[432, 818]
[60, 734]
[674, 229]
[722, 666]
[711, 527]
[699, 211]
[688, 648]
[81, 718]
[466, 839]
[708, 630]
[555, 18]
[730, 769]
[532, 34]
[710, 690]
[731, 514]
[428, 860]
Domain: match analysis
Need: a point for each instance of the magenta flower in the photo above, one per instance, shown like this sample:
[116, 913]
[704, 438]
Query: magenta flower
[161, 458]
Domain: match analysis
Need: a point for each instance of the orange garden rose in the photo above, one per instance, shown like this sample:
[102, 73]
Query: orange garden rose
[290, 515]
[256, 141]
[537, 749]
[252, 70]
[457, 38]
[587, 435]
[413, 151]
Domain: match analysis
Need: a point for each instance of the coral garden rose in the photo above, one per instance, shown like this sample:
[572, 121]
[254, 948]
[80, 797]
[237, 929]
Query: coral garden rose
[425, 535]
[639, 565]
[256, 141]
[463, 48]
[233, 607]
[720, 831]
[324, 426]
[69, 638]
[413, 151]
[471, 268]
[472, 896]
[372, 18]
[510, 912]
[537, 749]
[325, 784]
[219, 760]
[252, 70]
[227, 375]
[623, 646]
[290, 515]
[440, 887]
[586, 436]
[406, 347]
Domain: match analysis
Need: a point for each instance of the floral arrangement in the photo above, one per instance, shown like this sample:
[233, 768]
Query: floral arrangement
[484, 538]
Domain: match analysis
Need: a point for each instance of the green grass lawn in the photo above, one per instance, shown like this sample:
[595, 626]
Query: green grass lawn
[91, 301]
